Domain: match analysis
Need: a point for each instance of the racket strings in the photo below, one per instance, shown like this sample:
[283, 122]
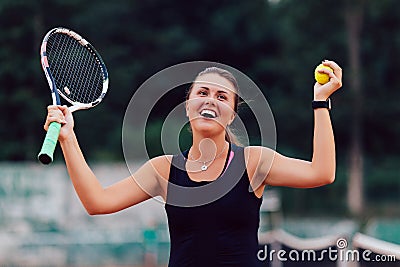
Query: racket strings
[76, 69]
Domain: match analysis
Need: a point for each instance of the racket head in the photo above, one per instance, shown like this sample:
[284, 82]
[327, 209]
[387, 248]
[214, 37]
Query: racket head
[73, 68]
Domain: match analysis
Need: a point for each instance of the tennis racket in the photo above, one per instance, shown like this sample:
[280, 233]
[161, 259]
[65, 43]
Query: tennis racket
[75, 71]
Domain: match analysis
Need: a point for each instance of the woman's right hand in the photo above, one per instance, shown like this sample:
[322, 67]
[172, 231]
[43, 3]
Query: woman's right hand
[63, 115]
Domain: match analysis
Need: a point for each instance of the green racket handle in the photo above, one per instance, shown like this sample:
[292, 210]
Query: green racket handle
[49, 144]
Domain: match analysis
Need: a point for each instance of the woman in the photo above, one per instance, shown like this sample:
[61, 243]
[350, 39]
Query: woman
[220, 227]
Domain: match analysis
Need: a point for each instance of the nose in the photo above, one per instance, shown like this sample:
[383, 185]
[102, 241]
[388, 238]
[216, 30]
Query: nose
[210, 101]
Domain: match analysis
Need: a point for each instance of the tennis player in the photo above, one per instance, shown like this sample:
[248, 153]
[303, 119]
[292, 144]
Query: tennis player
[212, 229]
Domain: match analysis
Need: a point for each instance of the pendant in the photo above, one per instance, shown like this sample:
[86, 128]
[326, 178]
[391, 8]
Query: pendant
[204, 167]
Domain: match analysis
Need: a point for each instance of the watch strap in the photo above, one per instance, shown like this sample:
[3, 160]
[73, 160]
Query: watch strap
[322, 104]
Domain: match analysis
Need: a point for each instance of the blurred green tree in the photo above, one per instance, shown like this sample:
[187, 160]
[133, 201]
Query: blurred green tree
[276, 43]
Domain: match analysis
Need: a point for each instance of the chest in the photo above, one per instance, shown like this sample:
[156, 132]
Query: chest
[197, 171]
[238, 208]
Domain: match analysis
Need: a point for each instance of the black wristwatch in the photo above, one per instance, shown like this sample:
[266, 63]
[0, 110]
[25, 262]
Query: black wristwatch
[322, 104]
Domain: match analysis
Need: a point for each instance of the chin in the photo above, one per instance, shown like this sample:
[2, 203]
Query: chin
[207, 127]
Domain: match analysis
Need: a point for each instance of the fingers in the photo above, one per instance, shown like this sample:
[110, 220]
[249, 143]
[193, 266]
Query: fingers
[55, 114]
[337, 70]
[335, 76]
[323, 91]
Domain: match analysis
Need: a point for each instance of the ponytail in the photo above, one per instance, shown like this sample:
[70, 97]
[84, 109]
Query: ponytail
[231, 137]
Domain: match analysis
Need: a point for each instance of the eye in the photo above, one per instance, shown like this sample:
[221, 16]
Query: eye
[202, 92]
[222, 97]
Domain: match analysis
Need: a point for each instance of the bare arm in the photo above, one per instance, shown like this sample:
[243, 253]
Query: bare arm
[132, 190]
[291, 172]
[284, 171]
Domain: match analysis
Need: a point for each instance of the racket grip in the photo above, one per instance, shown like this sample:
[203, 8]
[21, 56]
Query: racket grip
[49, 144]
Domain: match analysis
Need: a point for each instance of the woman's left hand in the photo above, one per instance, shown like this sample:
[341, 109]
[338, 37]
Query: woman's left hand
[323, 91]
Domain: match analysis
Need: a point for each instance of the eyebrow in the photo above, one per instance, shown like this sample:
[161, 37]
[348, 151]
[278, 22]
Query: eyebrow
[219, 91]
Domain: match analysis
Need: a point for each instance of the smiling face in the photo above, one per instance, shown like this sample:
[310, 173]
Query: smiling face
[211, 104]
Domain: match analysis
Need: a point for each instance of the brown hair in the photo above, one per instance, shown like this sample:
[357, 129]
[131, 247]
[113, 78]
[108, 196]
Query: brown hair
[229, 135]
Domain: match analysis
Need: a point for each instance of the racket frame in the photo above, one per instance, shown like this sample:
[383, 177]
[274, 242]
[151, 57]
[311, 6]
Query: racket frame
[46, 154]
[55, 92]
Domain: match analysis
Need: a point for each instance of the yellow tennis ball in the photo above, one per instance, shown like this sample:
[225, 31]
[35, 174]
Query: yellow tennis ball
[322, 78]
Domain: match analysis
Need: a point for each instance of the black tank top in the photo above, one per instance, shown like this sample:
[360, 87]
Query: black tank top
[213, 223]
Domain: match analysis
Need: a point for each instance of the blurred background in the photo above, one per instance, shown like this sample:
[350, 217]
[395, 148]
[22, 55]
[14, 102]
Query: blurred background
[276, 43]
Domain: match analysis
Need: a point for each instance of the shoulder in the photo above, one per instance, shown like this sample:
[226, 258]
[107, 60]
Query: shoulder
[161, 165]
[155, 174]
[259, 159]
[255, 152]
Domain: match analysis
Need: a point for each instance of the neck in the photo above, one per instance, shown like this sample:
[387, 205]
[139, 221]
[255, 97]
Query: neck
[208, 148]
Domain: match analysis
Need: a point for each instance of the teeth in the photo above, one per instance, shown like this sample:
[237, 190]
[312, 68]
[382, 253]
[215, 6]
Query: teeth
[208, 113]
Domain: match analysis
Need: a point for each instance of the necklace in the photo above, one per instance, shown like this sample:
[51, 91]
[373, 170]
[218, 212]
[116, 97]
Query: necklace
[204, 167]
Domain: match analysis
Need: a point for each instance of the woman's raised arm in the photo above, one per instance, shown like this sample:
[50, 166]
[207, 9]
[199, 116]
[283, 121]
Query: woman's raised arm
[142, 185]
[279, 170]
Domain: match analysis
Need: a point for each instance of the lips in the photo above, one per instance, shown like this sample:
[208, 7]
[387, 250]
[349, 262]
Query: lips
[208, 113]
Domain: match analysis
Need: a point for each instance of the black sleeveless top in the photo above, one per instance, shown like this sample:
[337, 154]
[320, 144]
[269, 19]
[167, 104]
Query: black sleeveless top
[213, 223]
